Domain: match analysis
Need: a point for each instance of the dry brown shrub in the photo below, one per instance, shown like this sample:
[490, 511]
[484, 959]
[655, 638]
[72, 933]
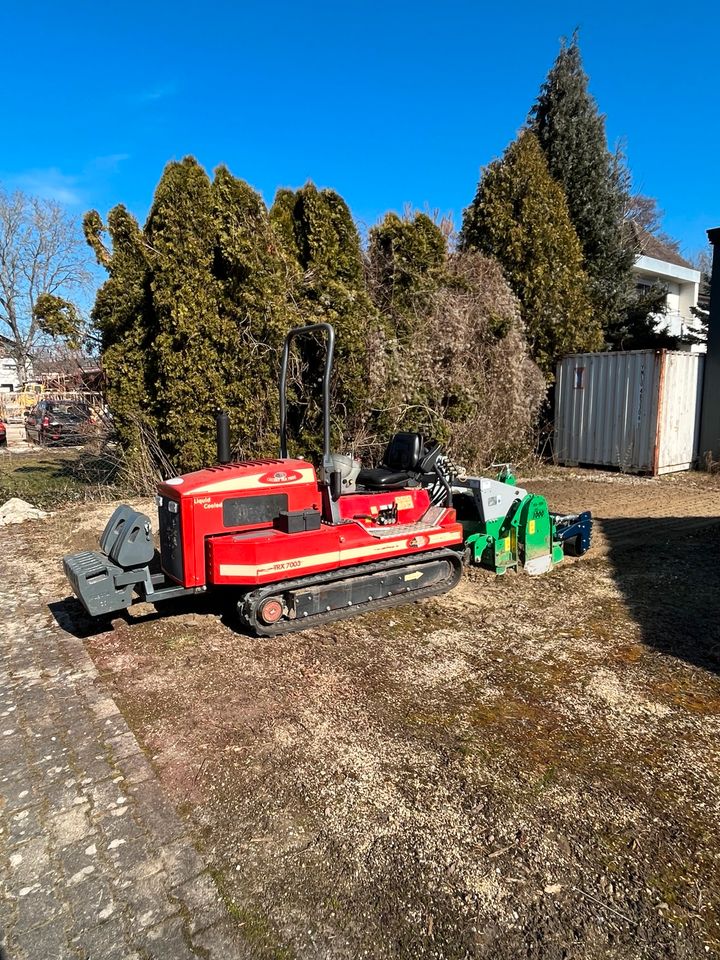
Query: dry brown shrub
[466, 376]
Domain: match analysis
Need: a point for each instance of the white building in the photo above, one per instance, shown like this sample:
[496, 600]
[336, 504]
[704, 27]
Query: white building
[9, 380]
[659, 264]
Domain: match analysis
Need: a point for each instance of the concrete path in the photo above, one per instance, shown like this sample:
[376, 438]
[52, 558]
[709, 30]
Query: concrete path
[94, 861]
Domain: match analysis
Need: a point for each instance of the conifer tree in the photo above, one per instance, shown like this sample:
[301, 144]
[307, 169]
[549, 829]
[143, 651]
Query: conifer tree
[254, 278]
[186, 358]
[571, 132]
[456, 365]
[193, 314]
[318, 232]
[123, 317]
[520, 217]
[407, 262]
[408, 259]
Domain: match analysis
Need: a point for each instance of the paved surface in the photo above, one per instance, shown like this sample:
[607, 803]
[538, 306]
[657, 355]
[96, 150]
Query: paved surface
[16, 438]
[94, 861]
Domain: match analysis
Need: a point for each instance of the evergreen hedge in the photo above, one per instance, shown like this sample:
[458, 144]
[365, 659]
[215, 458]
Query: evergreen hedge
[197, 302]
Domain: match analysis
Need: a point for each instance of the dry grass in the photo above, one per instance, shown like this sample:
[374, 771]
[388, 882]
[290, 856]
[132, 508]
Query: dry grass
[524, 767]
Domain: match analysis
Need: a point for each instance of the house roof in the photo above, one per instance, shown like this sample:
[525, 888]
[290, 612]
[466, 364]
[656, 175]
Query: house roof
[651, 246]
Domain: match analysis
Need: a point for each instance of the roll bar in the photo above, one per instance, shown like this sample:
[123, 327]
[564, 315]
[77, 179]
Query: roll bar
[329, 352]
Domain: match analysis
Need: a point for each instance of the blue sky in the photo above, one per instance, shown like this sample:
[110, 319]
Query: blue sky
[389, 103]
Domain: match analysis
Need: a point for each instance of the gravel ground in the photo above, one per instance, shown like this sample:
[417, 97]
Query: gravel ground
[521, 768]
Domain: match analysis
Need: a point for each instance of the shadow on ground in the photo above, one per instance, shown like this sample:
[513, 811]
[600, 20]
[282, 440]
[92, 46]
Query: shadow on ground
[668, 570]
[72, 617]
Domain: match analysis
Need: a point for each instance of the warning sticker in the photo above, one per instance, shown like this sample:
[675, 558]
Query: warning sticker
[404, 503]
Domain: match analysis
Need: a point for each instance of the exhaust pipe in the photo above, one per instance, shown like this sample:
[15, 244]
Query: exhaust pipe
[222, 426]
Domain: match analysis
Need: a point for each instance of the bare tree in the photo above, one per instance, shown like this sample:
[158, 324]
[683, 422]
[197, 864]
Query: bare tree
[645, 212]
[42, 258]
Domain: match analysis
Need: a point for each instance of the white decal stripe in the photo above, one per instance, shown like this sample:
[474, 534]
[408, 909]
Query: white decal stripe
[251, 482]
[237, 570]
[354, 553]
[444, 538]
[280, 566]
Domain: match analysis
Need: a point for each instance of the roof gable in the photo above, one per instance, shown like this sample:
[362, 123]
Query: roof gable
[651, 246]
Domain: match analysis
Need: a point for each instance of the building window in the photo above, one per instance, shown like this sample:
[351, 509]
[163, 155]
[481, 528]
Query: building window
[579, 378]
[643, 288]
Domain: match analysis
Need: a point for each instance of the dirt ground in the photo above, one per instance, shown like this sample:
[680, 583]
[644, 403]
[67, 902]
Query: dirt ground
[526, 767]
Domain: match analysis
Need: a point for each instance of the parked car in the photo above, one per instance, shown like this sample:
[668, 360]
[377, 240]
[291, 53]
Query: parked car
[59, 422]
[3, 434]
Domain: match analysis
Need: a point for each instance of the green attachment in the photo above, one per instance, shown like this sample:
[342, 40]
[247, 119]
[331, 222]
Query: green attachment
[504, 526]
[492, 545]
[505, 474]
[536, 534]
[523, 536]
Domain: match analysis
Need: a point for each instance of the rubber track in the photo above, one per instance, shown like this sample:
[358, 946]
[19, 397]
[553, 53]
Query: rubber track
[255, 597]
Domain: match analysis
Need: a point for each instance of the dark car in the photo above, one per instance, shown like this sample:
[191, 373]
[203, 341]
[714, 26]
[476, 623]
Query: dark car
[59, 422]
[3, 434]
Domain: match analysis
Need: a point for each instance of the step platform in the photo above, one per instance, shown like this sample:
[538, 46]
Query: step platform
[429, 521]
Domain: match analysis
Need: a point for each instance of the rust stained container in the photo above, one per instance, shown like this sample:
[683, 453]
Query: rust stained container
[637, 411]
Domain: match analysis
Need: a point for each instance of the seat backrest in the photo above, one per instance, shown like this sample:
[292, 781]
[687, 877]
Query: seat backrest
[403, 452]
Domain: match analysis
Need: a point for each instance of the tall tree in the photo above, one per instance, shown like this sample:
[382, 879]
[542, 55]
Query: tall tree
[457, 365]
[571, 132]
[407, 263]
[123, 318]
[192, 314]
[520, 217]
[255, 278]
[186, 360]
[318, 232]
[42, 258]
[408, 259]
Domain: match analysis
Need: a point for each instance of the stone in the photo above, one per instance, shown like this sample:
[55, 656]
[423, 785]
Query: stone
[16, 510]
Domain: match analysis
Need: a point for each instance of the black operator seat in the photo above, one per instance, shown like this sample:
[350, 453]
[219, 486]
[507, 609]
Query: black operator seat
[406, 458]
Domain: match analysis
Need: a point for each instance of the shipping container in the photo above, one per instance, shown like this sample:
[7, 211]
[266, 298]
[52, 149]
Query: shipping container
[637, 410]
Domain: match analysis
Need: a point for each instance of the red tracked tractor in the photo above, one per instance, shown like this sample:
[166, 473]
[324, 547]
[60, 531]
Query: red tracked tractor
[295, 547]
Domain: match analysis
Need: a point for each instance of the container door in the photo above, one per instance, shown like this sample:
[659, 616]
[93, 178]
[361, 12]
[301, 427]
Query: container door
[606, 409]
[680, 411]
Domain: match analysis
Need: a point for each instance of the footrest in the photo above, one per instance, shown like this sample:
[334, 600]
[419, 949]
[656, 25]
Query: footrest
[92, 577]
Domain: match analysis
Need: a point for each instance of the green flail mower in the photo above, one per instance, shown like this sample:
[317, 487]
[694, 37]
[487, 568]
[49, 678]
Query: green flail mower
[508, 528]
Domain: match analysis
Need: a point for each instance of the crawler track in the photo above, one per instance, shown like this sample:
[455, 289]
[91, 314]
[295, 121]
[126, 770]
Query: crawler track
[390, 582]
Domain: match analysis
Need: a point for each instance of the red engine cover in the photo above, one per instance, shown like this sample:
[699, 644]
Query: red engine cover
[265, 556]
[216, 525]
[226, 498]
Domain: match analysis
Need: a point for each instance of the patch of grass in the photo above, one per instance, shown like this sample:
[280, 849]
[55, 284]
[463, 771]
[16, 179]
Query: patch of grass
[49, 478]
[180, 642]
[256, 928]
[547, 780]
[411, 620]
[681, 694]
[259, 933]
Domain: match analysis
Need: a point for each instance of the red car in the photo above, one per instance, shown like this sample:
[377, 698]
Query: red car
[3, 434]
